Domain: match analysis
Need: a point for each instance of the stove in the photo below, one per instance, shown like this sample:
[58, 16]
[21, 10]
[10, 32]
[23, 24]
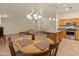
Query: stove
[71, 31]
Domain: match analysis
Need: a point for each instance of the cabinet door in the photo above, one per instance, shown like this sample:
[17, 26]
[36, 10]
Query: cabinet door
[77, 35]
[60, 22]
[64, 22]
[77, 21]
[63, 33]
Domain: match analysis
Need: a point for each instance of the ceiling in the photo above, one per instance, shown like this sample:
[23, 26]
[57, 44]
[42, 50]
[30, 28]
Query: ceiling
[20, 10]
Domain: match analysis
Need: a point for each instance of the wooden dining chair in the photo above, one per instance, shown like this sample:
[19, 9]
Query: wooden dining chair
[12, 50]
[53, 49]
[10, 44]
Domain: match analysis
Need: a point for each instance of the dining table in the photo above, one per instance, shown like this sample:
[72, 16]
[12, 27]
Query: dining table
[29, 46]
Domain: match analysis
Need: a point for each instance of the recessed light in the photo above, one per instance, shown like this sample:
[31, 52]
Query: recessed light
[54, 19]
[68, 8]
[50, 18]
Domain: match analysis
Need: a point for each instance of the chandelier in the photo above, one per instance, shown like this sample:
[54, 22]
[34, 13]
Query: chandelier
[34, 15]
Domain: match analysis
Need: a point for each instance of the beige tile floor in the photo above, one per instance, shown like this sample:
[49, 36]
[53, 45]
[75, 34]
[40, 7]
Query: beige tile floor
[4, 49]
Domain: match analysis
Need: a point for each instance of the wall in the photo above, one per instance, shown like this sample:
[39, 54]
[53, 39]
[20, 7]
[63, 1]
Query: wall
[73, 14]
[16, 25]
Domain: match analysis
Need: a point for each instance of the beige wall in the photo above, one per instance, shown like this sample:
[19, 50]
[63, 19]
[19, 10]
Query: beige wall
[15, 25]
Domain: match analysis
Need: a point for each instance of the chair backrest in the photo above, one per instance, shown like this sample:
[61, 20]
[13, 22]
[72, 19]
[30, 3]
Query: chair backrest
[10, 44]
[53, 49]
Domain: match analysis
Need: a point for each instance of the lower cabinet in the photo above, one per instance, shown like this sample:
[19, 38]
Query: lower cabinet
[63, 33]
[77, 35]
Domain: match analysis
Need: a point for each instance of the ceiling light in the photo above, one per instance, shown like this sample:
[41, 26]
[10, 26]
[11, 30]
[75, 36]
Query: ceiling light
[36, 18]
[68, 8]
[53, 19]
[39, 16]
[34, 15]
[29, 16]
[50, 18]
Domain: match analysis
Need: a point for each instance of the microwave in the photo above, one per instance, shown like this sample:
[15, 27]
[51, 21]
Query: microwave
[71, 24]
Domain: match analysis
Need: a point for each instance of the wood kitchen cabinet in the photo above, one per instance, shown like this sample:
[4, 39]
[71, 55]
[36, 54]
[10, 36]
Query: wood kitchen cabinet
[77, 35]
[77, 21]
[62, 22]
[63, 33]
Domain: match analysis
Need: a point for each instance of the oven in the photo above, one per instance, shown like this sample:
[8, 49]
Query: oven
[70, 33]
[71, 30]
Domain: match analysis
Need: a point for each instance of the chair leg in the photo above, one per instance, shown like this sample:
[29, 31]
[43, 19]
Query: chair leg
[50, 52]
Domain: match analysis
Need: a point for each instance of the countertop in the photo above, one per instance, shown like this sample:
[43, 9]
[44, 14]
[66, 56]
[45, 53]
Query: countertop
[64, 28]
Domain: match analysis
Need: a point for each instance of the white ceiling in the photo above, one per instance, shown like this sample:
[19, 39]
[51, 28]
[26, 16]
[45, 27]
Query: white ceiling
[20, 10]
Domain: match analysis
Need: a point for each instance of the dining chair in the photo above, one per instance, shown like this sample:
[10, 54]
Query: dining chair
[12, 50]
[53, 49]
[10, 44]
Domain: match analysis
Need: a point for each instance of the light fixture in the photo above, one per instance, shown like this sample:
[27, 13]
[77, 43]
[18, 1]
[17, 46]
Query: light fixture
[50, 18]
[68, 8]
[29, 16]
[39, 16]
[35, 15]
[54, 19]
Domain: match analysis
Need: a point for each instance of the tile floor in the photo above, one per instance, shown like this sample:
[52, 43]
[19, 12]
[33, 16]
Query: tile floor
[4, 49]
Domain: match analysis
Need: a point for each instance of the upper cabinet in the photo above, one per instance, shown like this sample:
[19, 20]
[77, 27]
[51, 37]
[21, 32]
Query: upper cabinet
[62, 22]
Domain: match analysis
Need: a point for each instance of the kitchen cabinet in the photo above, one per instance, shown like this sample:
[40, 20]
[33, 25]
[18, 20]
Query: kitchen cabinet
[77, 21]
[77, 35]
[63, 33]
[62, 22]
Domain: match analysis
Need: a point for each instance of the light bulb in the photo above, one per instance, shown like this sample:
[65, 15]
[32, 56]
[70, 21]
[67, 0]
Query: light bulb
[39, 16]
[53, 19]
[50, 18]
[34, 15]
[29, 17]
[36, 18]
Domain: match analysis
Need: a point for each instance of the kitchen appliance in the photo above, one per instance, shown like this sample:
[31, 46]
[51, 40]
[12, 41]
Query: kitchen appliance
[71, 30]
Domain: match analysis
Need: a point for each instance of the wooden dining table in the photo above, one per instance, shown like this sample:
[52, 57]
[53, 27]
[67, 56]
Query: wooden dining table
[31, 49]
